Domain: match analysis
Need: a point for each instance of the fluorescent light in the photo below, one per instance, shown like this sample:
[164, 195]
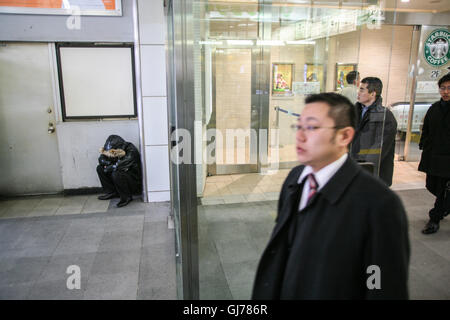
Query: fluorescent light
[240, 42]
[405, 0]
[301, 42]
[211, 42]
[270, 43]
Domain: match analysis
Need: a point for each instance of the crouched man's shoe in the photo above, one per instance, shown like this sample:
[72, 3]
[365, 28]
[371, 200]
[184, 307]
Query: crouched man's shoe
[124, 202]
[108, 196]
[431, 227]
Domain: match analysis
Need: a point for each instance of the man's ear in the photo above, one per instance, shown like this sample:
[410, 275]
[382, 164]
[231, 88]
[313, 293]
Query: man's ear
[347, 135]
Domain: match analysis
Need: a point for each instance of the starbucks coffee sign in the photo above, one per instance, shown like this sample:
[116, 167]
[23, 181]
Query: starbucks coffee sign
[436, 48]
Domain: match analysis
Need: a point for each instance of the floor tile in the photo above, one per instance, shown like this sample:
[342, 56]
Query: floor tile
[117, 286]
[92, 204]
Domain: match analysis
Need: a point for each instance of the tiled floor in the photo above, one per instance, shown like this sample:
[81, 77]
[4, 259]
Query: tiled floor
[237, 217]
[128, 253]
[40, 206]
[251, 187]
[122, 253]
[232, 238]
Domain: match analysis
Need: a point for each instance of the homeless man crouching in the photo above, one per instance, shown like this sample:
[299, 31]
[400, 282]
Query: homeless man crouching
[119, 170]
[340, 233]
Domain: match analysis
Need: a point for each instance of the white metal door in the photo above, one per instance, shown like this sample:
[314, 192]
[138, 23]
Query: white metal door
[29, 158]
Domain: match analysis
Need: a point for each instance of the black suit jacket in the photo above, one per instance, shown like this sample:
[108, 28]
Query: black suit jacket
[354, 222]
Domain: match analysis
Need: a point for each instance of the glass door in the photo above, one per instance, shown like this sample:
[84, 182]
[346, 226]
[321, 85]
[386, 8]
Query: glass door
[241, 72]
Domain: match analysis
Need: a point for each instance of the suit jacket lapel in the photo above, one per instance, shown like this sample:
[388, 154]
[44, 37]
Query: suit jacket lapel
[290, 205]
[332, 191]
[338, 184]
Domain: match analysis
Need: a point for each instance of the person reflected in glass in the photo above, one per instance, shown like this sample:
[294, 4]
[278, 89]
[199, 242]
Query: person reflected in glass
[339, 231]
[435, 159]
[351, 91]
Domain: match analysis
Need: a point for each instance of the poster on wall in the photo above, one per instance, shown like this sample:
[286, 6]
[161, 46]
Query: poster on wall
[282, 78]
[63, 7]
[313, 73]
[342, 69]
[304, 88]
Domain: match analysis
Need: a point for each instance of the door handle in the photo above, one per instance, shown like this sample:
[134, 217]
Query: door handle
[51, 128]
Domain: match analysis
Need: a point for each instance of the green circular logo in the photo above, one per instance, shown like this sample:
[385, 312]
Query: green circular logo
[436, 49]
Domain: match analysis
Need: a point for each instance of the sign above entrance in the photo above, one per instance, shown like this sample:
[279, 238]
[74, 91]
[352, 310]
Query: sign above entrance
[436, 47]
[63, 7]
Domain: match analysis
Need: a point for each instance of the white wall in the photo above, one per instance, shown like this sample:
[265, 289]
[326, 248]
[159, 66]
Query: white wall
[79, 144]
[152, 38]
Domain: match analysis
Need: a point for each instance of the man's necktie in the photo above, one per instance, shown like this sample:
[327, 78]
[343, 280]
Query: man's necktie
[312, 186]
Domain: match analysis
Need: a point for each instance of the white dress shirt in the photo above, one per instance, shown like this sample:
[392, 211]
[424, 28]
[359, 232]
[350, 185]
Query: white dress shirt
[322, 177]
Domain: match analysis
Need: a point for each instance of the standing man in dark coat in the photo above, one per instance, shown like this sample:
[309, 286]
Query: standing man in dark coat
[375, 131]
[340, 233]
[119, 170]
[435, 161]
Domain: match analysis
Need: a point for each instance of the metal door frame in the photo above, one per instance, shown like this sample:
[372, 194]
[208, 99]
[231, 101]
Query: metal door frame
[182, 105]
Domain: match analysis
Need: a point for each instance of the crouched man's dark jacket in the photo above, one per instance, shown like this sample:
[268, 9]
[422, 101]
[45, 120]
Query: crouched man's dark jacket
[435, 140]
[374, 144]
[119, 155]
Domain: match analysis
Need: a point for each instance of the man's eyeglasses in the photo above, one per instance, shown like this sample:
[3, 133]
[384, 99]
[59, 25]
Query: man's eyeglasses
[311, 128]
[444, 88]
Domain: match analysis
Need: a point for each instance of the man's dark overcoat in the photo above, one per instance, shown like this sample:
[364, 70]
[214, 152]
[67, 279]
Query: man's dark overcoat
[353, 223]
[435, 140]
[374, 139]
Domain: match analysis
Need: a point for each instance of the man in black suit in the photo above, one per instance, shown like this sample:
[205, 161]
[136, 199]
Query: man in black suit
[435, 160]
[340, 233]
[375, 130]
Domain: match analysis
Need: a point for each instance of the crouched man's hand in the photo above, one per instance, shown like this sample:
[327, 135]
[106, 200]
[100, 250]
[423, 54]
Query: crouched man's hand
[110, 168]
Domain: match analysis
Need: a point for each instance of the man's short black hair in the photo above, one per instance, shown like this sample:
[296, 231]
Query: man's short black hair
[373, 84]
[342, 111]
[444, 79]
[351, 76]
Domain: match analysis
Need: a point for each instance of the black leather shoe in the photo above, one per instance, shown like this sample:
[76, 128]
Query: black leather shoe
[123, 203]
[430, 227]
[108, 196]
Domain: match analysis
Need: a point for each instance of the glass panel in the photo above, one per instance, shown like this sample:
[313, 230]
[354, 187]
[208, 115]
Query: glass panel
[254, 63]
[174, 177]
[321, 44]
[232, 103]
[226, 107]
[429, 71]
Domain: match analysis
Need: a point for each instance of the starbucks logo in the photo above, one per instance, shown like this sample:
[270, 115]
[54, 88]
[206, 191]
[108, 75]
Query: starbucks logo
[436, 48]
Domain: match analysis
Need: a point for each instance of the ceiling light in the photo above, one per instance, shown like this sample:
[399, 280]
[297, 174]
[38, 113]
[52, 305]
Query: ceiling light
[240, 42]
[301, 42]
[211, 42]
[405, 0]
[270, 43]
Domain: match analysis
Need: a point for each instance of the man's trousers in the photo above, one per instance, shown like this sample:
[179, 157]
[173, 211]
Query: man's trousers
[118, 182]
[439, 186]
